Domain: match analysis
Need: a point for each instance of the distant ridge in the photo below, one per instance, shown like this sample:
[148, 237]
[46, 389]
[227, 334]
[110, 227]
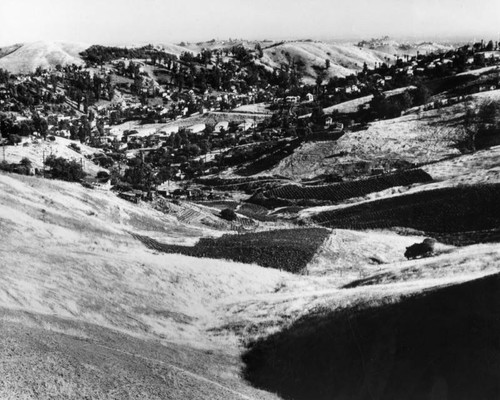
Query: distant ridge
[27, 57]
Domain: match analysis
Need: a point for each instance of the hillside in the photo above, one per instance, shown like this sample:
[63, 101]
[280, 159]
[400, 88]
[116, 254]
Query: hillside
[391, 46]
[88, 310]
[352, 106]
[29, 56]
[438, 345]
[345, 59]
[36, 150]
[418, 137]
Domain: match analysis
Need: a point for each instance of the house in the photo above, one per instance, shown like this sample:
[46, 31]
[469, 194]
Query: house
[292, 99]
[198, 128]
[309, 97]
[168, 131]
[63, 133]
[98, 184]
[246, 125]
[222, 125]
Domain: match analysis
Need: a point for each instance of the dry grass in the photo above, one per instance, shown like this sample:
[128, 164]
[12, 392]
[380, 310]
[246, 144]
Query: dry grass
[77, 290]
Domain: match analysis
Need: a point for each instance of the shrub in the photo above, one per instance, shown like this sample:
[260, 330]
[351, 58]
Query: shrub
[75, 147]
[26, 162]
[102, 175]
[60, 168]
[228, 214]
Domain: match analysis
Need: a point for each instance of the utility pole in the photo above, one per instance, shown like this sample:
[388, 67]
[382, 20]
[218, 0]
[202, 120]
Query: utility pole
[3, 145]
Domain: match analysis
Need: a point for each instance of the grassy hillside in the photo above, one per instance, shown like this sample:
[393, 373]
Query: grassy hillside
[30, 56]
[38, 149]
[345, 59]
[89, 311]
[419, 137]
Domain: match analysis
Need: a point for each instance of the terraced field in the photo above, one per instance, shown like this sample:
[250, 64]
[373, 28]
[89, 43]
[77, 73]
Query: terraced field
[459, 215]
[286, 249]
[342, 191]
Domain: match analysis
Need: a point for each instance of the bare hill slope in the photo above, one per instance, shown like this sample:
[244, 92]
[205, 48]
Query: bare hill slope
[29, 56]
[345, 59]
[86, 310]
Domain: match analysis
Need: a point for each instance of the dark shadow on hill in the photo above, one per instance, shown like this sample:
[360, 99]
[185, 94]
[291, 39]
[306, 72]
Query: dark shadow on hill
[268, 161]
[443, 344]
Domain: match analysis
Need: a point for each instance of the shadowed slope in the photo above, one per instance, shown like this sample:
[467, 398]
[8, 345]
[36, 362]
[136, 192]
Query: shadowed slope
[442, 344]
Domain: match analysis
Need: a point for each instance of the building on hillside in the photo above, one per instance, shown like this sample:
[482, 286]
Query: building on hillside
[98, 184]
[198, 128]
[168, 131]
[246, 125]
[309, 97]
[222, 125]
[63, 133]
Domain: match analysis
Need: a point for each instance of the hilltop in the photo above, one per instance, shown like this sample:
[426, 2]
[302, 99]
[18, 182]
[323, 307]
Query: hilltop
[28, 57]
[344, 59]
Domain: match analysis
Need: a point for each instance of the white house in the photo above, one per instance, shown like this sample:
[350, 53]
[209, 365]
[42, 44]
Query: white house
[246, 125]
[220, 126]
[198, 128]
[169, 130]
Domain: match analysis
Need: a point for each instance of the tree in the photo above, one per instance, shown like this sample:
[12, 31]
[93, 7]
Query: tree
[421, 95]
[258, 50]
[480, 128]
[26, 162]
[41, 125]
[60, 168]
[228, 214]
[140, 175]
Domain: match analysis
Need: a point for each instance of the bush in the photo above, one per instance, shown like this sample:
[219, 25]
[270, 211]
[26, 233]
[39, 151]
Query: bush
[26, 162]
[228, 214]
[75, 147]
[102, 175]
[60, 168]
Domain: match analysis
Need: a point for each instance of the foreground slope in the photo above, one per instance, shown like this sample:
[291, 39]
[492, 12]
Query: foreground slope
[78, 294]
[86, 310]
[438, 345]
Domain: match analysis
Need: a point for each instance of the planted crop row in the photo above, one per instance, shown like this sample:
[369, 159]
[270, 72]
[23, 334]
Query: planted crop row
[342, 191]
[442, 211]
[255, 211]
[289, 249]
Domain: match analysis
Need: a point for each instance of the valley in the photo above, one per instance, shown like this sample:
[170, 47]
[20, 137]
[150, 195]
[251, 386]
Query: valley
[231, 219]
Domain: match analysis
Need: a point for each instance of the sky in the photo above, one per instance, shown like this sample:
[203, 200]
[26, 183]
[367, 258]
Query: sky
[130, 22]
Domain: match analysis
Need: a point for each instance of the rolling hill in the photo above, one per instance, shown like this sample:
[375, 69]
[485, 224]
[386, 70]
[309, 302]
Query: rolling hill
[29, 56]
[345, 59]
[88, 311]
